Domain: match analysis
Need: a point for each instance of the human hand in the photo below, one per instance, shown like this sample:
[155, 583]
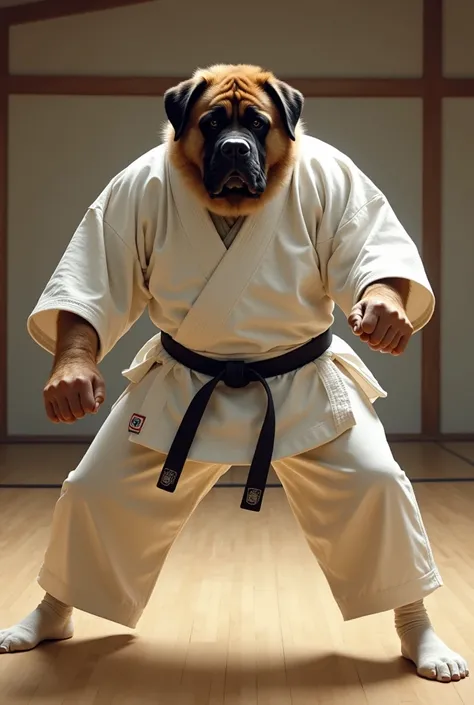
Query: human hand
[381, 322]
[75, 388]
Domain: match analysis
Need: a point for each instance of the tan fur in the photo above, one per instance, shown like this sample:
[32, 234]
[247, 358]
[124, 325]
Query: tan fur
[228, 85]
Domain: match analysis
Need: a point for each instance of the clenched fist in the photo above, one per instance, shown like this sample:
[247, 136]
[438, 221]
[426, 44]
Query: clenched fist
[74, 389]
[380, 320]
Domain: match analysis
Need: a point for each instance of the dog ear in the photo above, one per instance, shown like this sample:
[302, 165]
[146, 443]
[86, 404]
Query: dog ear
[288, 101]
[179, 102]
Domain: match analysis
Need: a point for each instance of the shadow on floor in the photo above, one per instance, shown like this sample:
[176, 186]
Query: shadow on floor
[122, 669]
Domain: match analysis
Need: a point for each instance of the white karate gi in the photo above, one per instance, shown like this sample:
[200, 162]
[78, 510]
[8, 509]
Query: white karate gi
[147, 241]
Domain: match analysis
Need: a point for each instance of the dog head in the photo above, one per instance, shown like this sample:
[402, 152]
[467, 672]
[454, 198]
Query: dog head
[232, 132]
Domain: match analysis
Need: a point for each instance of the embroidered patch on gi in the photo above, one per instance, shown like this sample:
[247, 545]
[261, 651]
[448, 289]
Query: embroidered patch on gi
[136, 422]
[253, 496]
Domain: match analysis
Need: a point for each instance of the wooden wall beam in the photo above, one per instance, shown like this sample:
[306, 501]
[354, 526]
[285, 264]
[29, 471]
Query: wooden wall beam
[457, 88]
[432, 196]
[157, 85]
[4, 33]
[51, 9]
[311, 87]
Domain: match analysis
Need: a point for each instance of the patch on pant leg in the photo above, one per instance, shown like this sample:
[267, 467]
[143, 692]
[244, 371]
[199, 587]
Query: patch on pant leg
[136, 422]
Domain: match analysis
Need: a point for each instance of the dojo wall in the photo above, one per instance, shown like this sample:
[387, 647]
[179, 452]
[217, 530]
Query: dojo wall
[457, 322]
[64, 149]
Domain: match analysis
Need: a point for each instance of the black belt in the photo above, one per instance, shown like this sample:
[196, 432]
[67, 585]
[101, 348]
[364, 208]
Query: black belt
[236, 374]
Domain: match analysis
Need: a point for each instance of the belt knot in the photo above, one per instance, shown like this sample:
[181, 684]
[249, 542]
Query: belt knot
[236, 374]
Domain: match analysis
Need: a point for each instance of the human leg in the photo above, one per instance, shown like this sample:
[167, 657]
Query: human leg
[111, 532]
[361, 519]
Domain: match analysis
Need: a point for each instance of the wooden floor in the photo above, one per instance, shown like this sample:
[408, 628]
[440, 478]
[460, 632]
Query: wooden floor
[241, 614]
[49, 464]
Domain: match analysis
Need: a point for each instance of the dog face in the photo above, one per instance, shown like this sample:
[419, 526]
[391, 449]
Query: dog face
[232, 133]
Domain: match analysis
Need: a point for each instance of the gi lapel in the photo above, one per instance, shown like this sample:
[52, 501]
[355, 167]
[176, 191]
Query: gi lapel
[207, 248]
[227, 271]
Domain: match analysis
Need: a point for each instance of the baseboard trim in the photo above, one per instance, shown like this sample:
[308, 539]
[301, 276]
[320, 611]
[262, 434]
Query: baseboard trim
[392, 438]
[233, 486]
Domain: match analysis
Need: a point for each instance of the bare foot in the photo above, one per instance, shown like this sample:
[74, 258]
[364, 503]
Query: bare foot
[50, 621]
[421, 645]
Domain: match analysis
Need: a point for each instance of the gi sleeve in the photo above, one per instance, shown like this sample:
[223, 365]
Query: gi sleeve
[372, 245]
[99, 278]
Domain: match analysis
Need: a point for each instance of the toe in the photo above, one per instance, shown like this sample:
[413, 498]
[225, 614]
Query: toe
[443, 672]
[428, 670]
[3, 640]
[12, 644]
[454, 671]
[5, 646]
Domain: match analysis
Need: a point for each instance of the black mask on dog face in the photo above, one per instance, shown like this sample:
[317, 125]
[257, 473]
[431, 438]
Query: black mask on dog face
[234, 153]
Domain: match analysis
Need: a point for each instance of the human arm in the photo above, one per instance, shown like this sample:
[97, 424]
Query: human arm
[372, 267]
[75, 386]
[96, 293]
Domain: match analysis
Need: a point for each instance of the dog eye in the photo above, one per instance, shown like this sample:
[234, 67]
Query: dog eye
[257, 124]
[214, 124]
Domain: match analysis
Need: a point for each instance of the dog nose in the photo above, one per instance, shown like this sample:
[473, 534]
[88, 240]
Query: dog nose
[235, 147]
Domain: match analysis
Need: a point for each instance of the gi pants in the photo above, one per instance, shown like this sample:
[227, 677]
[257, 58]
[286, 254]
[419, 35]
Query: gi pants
[113, 528]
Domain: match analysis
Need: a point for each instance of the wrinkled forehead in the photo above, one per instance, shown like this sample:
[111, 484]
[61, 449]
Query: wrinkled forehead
[236, 93]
